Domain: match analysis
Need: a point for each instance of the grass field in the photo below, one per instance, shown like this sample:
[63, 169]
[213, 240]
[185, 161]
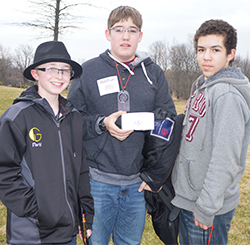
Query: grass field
[239, 233]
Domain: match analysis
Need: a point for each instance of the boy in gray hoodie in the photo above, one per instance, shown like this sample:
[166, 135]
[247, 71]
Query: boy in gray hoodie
[215, 139]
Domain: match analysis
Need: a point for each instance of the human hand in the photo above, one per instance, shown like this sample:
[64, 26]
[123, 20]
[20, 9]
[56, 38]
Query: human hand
[115, 131]
[80, 233]
[144, 186]
[202, 226]
[89, 233]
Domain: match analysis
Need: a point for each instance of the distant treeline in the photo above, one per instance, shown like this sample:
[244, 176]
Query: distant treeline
[178, 61]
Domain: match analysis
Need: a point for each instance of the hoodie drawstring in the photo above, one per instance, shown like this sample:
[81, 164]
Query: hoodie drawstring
[130, 71]
[145, 73]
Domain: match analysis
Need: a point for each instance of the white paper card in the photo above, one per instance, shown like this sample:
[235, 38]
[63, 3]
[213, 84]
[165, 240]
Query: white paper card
[108, 85]
[138, 121]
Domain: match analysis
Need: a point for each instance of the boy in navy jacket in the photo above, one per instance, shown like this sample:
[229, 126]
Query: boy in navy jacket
[121, 79]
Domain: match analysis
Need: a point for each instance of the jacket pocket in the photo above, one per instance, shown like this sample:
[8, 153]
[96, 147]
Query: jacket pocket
[22, 229]
[102, 143]
[194, 173]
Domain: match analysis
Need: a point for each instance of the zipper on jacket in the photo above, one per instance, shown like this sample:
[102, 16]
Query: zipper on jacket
[64, 175]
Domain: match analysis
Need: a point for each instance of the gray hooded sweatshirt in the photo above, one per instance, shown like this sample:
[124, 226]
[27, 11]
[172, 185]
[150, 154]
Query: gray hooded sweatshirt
[214, 145]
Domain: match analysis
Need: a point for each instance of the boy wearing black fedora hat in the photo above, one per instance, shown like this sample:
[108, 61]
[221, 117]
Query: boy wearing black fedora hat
[43, 170]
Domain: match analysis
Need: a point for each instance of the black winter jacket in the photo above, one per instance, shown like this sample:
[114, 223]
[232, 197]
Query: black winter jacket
[161, 148]
[42, 171]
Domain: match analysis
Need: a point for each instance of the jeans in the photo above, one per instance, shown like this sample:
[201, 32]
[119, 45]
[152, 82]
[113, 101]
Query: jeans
[72, 242]
[120, 211]
[191, 234]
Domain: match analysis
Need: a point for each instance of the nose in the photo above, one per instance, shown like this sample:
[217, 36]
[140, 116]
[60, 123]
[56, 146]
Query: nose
[207, 55]
[59, 75]
[126, 34]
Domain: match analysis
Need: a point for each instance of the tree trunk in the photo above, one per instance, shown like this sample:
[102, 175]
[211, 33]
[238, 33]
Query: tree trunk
[56, 29]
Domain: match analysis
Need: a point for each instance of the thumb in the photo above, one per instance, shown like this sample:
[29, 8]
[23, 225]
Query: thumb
[142, 186]
[119, 113]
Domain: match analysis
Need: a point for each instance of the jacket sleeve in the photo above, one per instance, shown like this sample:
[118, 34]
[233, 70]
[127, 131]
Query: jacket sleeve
[161, 148]
[14, 193]
[86, 198]
[77, 99]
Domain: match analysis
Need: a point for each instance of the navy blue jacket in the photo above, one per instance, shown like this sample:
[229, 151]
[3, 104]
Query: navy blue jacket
[148, 89]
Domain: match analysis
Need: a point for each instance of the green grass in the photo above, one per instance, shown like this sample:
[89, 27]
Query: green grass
[7, 95]
[240, 226]
[2, 223]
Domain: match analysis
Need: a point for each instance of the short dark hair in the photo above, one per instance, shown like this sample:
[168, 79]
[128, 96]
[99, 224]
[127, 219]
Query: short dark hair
[218, 27]
[122, 13]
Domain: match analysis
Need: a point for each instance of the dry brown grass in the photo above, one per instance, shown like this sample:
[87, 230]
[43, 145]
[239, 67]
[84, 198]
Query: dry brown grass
[239, 233]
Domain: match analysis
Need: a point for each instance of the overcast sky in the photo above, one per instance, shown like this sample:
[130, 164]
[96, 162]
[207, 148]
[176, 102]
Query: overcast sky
[169, 20]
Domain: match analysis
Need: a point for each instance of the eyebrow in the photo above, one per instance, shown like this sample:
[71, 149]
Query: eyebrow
[214, 46]
[64, 66]
[124, 27]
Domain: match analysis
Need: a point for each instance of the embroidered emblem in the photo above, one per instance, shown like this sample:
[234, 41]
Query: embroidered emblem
[163, 129]
[35, 136]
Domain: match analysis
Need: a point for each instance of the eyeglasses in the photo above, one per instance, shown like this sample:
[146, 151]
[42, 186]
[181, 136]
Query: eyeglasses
[120, 30]
[55, 71]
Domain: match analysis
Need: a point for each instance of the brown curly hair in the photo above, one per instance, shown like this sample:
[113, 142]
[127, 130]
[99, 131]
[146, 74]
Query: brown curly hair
[218, 27]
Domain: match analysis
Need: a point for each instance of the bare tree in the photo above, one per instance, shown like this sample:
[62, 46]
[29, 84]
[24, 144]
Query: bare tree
[5, 66]
[244, 64]
[54, 17]
[184, 69]
[23, 58]
[158, 52]
[179, 63]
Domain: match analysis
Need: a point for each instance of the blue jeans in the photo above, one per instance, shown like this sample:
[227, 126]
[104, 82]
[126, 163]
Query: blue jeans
[191, 234]
[120, 211]
[72, 242]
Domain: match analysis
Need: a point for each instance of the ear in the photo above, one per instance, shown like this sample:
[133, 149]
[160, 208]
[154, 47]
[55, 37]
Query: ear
[34, 74]
[107, 34]
[141, 35]
[231, 55]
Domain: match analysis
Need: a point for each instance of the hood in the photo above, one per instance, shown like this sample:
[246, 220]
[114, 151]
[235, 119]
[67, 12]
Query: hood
[141, 56]
[29, 94]
[231, 75]
[142, 59]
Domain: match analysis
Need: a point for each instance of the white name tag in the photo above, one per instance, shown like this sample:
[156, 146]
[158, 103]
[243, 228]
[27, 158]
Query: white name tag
[138, 121]
[108, 85]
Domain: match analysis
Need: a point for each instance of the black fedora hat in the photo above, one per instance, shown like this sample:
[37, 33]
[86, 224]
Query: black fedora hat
[52, 51]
